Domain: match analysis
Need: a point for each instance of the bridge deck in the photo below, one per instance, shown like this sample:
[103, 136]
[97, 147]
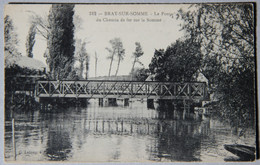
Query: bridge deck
[122, 89]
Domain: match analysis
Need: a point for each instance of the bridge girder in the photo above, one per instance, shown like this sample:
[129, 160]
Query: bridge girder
[122, 89]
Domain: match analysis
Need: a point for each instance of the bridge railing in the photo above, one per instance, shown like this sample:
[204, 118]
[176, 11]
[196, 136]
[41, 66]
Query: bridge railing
[122, 89]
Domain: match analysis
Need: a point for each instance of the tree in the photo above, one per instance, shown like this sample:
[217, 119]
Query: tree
[138, 53]
[31, 40]
[42, 26]
[10, 37]
[183, 60]
[61, 41]
[43, 29]
[111, 57]
[226, 33]
[156, 65]
[178, 63]
[118, 50]
[81, 55]
[87, 65]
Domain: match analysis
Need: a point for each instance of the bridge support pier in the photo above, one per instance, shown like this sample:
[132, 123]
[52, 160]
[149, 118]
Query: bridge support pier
[112, 101]
[187, 109]
[126, 102]
[101, 102]
[175, 113]
[150, 103]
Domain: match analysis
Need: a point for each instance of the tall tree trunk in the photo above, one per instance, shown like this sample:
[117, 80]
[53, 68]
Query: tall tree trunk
[87, 67]
[118, 66]
[61, 39]
[96, 64]
[111, 62]
[81, 69]
[132, 71]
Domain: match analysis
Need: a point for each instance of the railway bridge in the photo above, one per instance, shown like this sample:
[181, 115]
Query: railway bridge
[121, 89]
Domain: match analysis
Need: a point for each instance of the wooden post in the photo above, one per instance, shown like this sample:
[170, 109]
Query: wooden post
[13, 138]
[13, 124]
[101, 102]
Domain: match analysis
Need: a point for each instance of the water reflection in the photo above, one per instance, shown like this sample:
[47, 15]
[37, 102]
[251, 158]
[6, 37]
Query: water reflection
[109, 133]
[59, 142]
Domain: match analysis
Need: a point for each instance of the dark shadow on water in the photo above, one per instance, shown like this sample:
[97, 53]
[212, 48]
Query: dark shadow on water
[54, 105]
[59, 143]
[180, 134]
[174, 110]
[179, 141]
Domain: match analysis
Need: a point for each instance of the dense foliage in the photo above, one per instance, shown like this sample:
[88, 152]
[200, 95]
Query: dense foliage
[31, 40]
[219, 42]
[61, 41]
[226, 33]
[178, 63]
[81, 55]
[10, 37]
[13, 82]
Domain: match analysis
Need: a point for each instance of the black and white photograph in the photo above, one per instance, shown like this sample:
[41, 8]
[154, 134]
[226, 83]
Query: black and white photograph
[129, 82]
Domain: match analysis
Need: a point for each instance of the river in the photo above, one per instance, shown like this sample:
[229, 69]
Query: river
[120, 133]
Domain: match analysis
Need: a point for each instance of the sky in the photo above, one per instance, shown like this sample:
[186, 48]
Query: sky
[154, 26]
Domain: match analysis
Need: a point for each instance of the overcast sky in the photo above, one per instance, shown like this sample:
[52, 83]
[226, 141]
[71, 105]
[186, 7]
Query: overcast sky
[151, 35]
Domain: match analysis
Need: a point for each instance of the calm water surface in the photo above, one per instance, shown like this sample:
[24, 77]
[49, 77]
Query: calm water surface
[133, 133]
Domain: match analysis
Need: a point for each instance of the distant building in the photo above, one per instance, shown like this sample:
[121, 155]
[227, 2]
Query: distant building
[116, 78]
[200, 77]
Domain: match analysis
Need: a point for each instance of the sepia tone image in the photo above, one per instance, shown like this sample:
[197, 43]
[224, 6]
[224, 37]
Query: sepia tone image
[130, 82]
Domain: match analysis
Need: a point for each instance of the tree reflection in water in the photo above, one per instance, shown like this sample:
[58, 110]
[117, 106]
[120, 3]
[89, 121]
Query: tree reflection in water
[58, 143]
[178, 140]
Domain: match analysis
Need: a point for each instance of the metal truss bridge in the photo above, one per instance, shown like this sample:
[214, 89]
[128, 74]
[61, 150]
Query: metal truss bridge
[122, 89]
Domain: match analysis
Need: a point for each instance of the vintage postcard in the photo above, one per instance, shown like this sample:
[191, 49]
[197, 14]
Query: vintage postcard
[130, 82]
